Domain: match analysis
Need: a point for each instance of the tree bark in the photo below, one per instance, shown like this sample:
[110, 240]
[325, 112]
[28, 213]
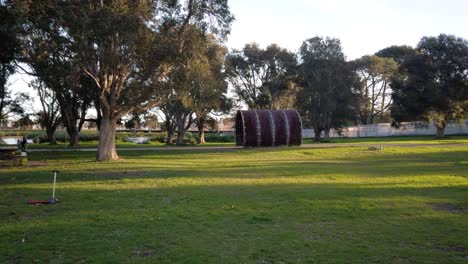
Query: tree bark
[51, 135]
[180, 131]
[73, 134]
[180, 138]
[106, 148]
[201, 132]
[170, 135]
[201, 137]
[440, 132]
[317, 132]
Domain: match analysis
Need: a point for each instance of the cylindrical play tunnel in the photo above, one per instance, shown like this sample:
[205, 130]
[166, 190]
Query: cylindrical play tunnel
[267, 128]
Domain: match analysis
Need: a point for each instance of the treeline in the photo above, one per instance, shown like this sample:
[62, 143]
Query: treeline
[131, 59]
[396, 84]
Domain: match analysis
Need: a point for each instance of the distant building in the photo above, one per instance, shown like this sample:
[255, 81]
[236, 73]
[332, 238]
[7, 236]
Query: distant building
[227, 124]
[6, 123]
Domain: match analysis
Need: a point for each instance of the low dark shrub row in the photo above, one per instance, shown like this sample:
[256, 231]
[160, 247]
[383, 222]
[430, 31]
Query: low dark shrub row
[40, 136]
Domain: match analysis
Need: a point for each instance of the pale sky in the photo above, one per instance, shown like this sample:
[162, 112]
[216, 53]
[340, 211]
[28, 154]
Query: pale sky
[363, 26]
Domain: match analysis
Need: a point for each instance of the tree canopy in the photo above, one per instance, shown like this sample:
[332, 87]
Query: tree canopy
[433, 84]
[262, 78]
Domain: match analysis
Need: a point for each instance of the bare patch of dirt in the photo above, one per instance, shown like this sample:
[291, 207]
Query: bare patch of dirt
[448, 207]
[36, 163]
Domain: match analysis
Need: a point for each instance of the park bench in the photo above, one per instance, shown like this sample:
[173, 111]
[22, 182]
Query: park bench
[7, 152]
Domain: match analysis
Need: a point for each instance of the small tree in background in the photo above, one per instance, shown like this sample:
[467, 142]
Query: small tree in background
[375, 74]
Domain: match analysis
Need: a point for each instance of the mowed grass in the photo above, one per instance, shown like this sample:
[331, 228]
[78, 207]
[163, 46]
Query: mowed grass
[279, 205]
[407, 140]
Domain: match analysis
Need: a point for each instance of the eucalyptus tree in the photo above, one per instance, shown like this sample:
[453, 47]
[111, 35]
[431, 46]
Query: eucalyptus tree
[112, 39]
[115, 35]
[262, 77]
[433, 84]
[208, 92]
[51, 55]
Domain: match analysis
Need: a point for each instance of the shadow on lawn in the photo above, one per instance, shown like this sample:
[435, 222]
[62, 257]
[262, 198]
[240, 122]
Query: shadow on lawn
[241, 222]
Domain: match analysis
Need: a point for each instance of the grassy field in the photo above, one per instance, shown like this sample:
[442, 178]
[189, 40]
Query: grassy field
[399, 140]
[381, 140]
[282, 205]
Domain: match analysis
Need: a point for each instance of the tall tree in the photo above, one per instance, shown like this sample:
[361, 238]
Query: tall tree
[326, 98]
[209, 86]
[433, 84]
[375, 73]
[50, 53]
[9, 49]
[113, 37]
[263, 77]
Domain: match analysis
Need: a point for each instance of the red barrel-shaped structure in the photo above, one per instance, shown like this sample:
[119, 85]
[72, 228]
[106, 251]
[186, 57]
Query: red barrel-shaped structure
[267, 128]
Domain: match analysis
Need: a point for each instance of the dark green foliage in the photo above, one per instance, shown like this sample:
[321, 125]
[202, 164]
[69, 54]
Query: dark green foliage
[9, 50]
[327, 98]
[433, 84]
[216, 137]
[397, 53]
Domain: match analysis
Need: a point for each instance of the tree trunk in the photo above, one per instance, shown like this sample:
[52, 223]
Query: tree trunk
[73, 134]
[170, 135]
[201, 137]
[201, 132]
[326, 134]
[51, 135]
[317, 132]
[180, 138]
[106, 148]
[180, 131]
[440, 132]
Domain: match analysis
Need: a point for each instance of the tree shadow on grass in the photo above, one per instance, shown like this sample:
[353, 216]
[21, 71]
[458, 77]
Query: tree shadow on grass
[247, 223]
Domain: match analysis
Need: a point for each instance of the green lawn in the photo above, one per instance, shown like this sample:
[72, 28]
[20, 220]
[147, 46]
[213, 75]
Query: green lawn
[400, 140]
[281, 205]
[383, 140]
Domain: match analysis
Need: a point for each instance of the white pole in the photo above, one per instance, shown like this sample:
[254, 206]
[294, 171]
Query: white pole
[55, 178]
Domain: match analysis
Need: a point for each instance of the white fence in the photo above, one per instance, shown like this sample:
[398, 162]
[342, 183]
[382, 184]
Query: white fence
[386, 130]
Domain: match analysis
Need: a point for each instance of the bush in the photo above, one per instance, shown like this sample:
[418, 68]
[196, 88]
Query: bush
[217, 137]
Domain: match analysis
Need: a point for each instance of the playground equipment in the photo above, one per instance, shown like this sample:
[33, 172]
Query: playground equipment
[268, 128]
